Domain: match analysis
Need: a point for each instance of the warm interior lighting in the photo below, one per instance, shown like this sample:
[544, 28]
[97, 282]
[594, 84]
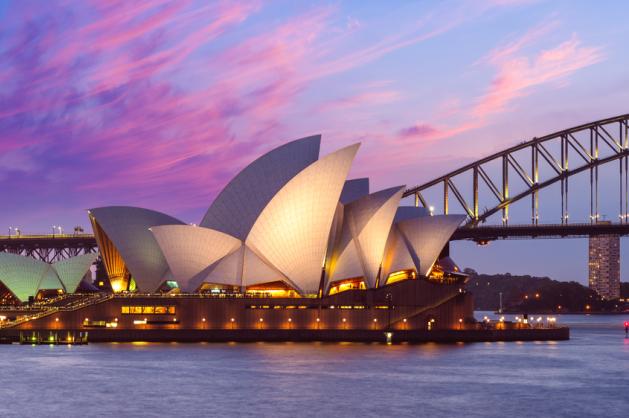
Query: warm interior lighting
[116, 286]
[151, 310]
[217, 288]
[115, 266]
[276, 289]
[347, 284]
[401, 275]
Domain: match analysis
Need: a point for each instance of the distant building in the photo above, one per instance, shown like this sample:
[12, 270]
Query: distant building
[604, 265]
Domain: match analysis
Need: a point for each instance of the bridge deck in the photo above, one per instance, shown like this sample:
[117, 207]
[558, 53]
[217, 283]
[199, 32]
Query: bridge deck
[494, 232]
[478, 233]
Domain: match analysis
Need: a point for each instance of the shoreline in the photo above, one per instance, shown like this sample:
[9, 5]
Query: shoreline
[555, 313]
[282, 335]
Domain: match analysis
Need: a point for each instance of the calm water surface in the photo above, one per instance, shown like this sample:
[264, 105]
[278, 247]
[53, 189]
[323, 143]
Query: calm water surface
[585, 377]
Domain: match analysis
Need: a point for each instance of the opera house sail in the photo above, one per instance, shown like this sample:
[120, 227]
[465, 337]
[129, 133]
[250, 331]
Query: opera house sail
[289, 231]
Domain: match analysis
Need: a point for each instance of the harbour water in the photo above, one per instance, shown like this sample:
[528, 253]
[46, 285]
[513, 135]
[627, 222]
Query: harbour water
[587, 376]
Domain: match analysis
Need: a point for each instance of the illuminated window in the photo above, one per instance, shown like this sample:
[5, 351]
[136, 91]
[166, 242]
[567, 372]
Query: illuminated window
[276, 289]
[398, 276]
[150, 310]
[347, 284]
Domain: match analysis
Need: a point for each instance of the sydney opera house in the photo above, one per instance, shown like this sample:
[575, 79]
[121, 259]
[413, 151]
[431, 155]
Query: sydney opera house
[289, 244]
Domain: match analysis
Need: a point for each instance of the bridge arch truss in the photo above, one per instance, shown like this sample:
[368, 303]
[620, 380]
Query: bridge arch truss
[587, 146]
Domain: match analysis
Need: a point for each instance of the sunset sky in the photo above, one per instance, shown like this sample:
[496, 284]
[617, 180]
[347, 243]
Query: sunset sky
[158, 104]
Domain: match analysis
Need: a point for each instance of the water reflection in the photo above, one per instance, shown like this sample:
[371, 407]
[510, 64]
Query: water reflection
[586, 376]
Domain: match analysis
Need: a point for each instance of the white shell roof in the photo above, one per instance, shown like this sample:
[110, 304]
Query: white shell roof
[50, 280]
[396, 255]
[227, 271]
[257, 271]
[292, 231]
[427, 235]
[71, 270]
[22, 275]
[369, 219]
[236, 208]
[189, 249]
[347, 263]
[25, 276]
[366, 225]
[128, 228]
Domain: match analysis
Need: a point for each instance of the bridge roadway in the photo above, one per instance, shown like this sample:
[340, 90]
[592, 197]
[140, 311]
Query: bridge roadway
[495, 232]
[47, 241]
[481, 233]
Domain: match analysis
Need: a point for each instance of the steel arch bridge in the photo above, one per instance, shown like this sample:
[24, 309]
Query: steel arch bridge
[49, 248]
[587, 147]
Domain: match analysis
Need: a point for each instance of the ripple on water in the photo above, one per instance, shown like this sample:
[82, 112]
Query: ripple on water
[586, 376]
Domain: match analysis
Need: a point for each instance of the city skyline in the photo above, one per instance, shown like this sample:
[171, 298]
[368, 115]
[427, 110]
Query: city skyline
[159, 104]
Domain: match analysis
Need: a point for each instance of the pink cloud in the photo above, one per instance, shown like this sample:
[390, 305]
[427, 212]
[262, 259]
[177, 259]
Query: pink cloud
[419, 130]
[518, 74]
[158, 104]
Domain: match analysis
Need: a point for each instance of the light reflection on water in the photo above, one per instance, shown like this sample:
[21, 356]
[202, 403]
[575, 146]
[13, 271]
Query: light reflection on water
[586, 376]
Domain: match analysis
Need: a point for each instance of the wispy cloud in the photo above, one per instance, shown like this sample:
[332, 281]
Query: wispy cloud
[518, 73]
[159, 103]
[519, 67]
